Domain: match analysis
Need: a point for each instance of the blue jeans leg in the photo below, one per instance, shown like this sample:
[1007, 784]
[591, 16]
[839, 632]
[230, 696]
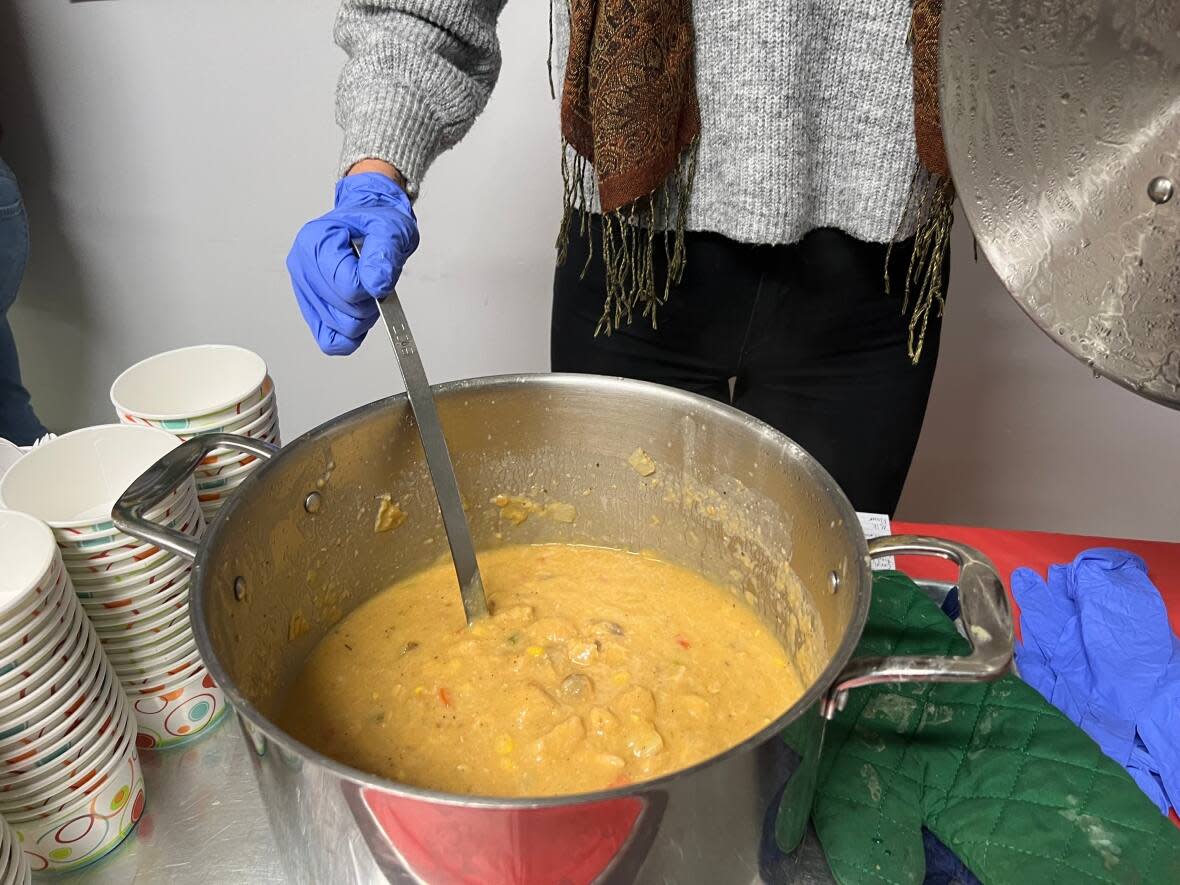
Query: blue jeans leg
[18, 422]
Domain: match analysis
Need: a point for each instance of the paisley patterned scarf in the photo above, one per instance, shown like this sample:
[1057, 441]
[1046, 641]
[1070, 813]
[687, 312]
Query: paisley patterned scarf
[629, 113]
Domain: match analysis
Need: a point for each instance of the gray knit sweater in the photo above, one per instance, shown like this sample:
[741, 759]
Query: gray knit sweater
[806, 105]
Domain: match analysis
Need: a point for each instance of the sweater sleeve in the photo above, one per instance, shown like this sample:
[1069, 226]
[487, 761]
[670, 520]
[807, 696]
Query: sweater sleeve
[418, 74]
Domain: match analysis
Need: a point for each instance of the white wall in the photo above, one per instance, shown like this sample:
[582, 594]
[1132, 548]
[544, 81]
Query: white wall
[170, 149]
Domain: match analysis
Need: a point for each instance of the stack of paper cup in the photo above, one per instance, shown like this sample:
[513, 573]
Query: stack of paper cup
[70, 781]
[135, 594]
[14, 867]
[209, 388]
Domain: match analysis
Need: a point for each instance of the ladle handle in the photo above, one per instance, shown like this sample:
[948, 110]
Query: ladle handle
[158, 481]
[986, 617]
[438, 459]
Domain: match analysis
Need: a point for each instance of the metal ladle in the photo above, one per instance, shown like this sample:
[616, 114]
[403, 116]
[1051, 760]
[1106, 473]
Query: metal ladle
[438, 459]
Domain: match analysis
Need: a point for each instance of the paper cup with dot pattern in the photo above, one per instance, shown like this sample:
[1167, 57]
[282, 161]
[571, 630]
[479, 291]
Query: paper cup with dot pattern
[14, 868]
[92, 826]
[177, 715]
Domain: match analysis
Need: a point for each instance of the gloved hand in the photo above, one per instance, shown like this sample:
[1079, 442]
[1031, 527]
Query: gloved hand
[335, 290]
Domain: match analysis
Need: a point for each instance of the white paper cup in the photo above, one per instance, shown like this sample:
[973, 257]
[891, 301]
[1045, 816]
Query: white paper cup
[32, 699]
[156, 676]
[34, 657]
[184, 662]
[69, 729]
[60, 631]
[74, 481]
[162, 637]
[180, 713]
[218, 478]
[223, 459]
[147, 654]
[137, 626]
[51, 781]
[234, 424]
[133, 570]
[14, 868]
[129, 594]
[93, 826]
[156, 683]
[75, 719]
[20, 696]
[75, 538]
[10, 453]
[117, 544]
[52, 784]
[26, 617]
[206, 381]
[146, 555]
[114, 620]
[139, 621]
[75, 781]
[82, 780]
[161, 677]
[213, 492]
[256, 425]
[109, 608]
[112, 545]
[27, 552]
[57, 718]
[113, 623]
[119, 572]
[95, 591]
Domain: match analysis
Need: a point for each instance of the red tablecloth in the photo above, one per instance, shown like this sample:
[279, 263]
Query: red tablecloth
[1039, 550]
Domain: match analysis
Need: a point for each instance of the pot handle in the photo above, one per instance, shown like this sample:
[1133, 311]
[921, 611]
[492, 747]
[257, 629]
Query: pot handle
[985, 614]
[158, 481]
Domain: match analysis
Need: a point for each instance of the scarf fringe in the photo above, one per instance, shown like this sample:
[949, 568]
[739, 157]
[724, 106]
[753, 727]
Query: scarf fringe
[630, 237]
[934, 202]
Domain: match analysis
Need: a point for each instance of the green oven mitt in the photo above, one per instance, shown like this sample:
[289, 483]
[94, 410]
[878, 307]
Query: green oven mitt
[999, 775]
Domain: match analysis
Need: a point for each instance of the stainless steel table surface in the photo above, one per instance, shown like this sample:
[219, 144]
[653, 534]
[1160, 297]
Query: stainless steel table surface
[205, 824]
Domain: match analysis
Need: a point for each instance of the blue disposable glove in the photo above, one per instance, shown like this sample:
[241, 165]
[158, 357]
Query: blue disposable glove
[335, 290]
[1096, 643]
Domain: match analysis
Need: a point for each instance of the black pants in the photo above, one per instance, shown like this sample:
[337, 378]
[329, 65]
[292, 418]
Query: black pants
[817, 348]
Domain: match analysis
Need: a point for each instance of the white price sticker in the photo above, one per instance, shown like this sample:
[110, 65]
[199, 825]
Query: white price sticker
[876, 525]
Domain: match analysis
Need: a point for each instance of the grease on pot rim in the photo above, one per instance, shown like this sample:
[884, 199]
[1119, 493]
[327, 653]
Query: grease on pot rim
[641, 462]
[516, 509]
[561, 512]
[389, 515]
[326, 475]
[297, 626]
[597, 668]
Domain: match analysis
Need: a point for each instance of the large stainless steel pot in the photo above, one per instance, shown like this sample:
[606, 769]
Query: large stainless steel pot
[731, 497]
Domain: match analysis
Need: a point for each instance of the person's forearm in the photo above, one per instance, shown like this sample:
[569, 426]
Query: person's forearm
[418, 73]
[372, 164]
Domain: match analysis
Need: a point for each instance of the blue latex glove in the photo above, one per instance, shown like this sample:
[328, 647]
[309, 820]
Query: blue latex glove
[335, 290]
[1096, 643]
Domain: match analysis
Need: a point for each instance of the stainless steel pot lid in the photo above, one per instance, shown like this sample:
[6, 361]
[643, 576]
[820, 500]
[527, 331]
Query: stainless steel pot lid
[1062, 125]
